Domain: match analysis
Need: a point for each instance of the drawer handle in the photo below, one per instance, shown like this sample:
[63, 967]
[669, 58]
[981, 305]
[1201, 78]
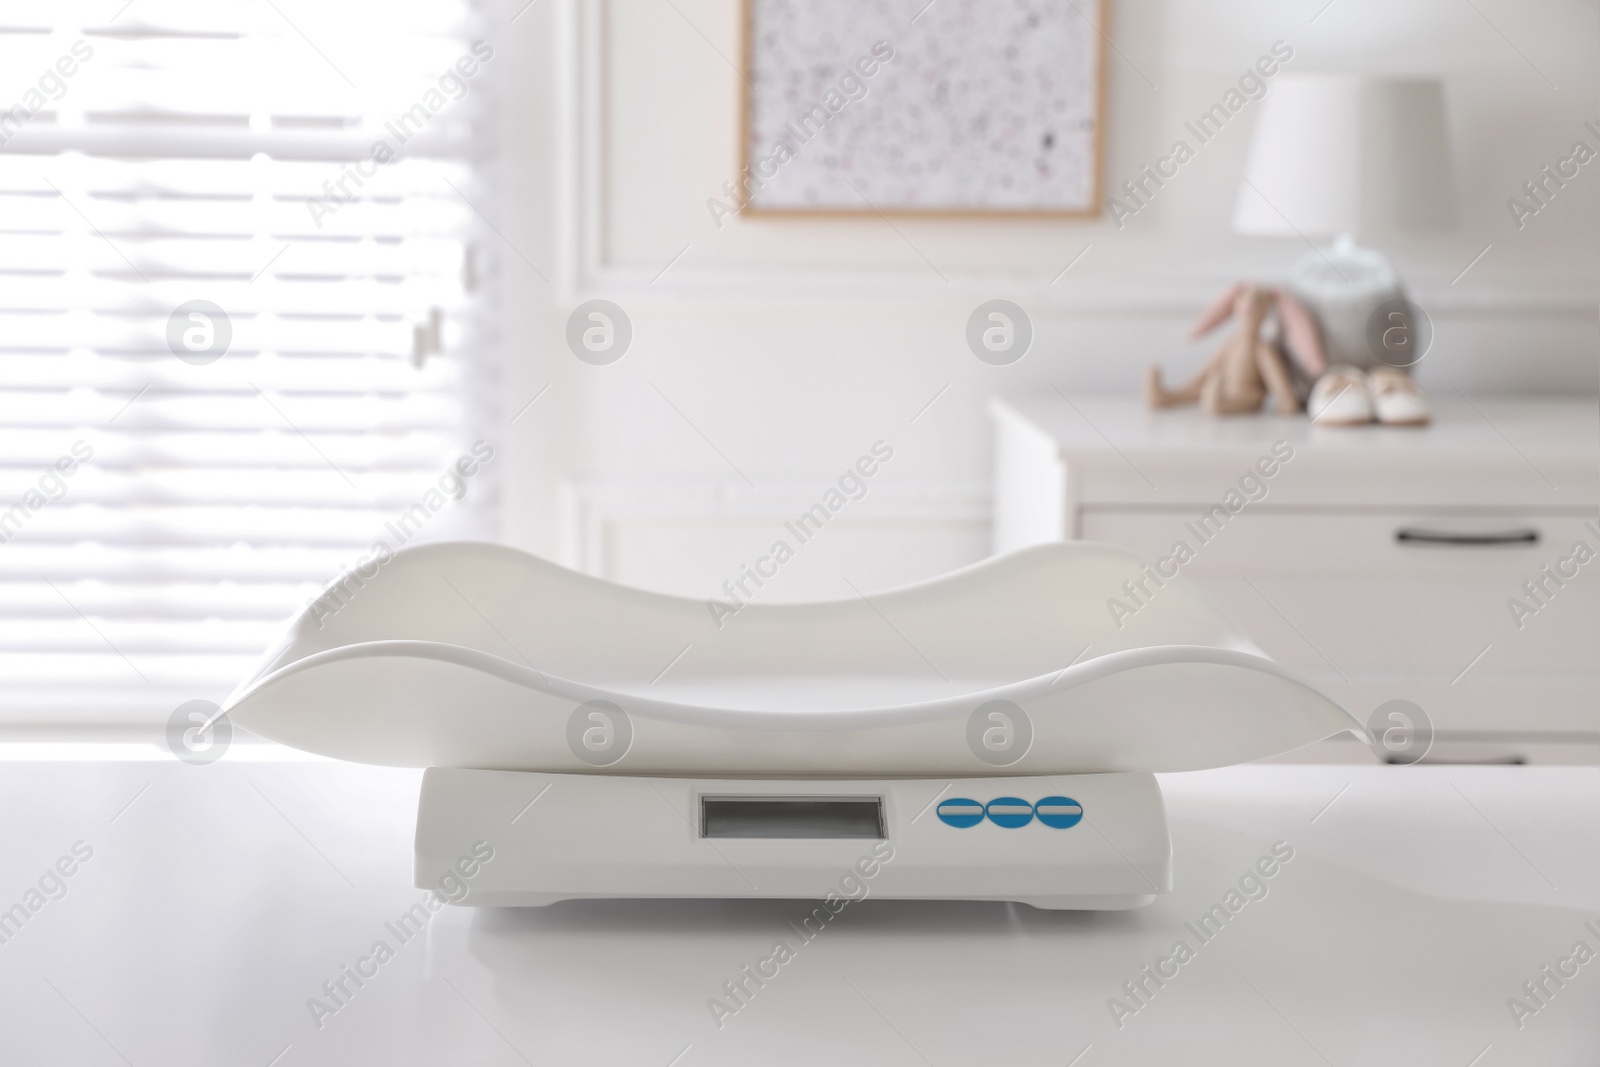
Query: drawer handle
[1528, 536]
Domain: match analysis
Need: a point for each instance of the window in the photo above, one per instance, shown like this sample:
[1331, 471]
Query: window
[238, 328]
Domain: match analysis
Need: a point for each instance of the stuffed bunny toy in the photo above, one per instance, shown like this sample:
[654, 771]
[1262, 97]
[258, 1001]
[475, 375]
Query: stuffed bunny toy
[1248, 366]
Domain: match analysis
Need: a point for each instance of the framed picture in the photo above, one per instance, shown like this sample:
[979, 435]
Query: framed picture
[955, 107]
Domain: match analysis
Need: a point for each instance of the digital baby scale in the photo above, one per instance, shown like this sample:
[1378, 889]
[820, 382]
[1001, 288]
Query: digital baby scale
[989, 735]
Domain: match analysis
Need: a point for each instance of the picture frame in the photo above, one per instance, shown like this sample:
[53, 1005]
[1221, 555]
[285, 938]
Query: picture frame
[1053, 126]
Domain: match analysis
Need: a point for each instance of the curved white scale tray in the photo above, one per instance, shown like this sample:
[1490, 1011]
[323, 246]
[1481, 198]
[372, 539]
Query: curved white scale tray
[480, 656]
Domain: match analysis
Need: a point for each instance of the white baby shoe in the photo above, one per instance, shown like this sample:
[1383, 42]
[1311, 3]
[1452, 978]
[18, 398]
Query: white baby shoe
[1340, 398]
[1396, 400]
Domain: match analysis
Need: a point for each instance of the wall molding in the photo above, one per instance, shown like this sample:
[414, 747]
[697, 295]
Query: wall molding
[584, 267]
[593, 510]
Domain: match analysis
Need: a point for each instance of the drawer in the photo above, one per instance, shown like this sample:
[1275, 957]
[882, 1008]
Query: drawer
[1433, 542]
[1405, 605]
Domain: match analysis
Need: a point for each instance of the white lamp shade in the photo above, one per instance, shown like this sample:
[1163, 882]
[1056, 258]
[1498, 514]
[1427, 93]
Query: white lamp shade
[1334, 154]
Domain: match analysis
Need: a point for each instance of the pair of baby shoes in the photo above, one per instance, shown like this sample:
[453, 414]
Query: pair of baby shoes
[1348, 396]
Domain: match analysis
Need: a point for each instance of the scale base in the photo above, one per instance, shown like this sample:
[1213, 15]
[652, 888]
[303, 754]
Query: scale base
[528, 839]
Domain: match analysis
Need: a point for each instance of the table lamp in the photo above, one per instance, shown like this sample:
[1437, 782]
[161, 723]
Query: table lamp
[1334, 156]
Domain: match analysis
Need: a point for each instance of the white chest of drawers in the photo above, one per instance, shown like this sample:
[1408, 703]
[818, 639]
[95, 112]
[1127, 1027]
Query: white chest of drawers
[1382, 563]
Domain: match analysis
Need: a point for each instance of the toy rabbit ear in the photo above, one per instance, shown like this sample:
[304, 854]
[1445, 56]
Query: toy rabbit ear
[1216, 312]
[1300, 330]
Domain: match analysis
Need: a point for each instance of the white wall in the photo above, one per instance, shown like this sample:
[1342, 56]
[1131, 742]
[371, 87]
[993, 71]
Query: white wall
[773, 353]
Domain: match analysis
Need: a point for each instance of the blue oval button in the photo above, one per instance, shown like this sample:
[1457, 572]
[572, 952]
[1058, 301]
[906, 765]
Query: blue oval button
[1010, 812]
[1058, 812]
[960, 813]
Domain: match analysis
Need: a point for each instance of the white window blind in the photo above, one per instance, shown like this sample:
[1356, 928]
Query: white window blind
[160, 517]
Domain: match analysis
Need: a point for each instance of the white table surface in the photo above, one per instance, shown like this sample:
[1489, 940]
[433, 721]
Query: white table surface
[220, 898]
